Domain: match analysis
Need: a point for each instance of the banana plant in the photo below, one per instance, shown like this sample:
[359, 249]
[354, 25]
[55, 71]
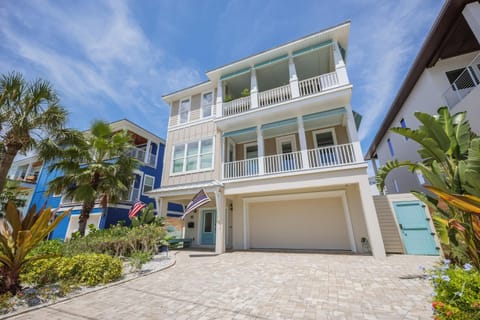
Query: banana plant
[450, 154]
[147, 216]
[18, 236]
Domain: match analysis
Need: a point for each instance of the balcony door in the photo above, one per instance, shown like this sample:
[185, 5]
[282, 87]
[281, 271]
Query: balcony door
[251, 157]
[285, 147]
[326, 153]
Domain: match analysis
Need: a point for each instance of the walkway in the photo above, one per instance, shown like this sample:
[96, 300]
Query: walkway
[262, 285]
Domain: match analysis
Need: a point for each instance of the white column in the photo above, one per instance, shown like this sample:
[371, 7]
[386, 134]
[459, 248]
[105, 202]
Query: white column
[303, 143]
[29, 170]
[374, 165]
[253, 88]
[162, 207]
[339, 65]
[471, 13]
[220, 228]
[223, 141]
[293, 77]
[353, 135]
[261, 150]
[147, 152]
[369, 212]
[219, 101]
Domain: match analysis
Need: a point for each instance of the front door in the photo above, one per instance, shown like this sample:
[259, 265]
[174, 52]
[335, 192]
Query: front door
[208, 226]
[415, 228]
[286, 146]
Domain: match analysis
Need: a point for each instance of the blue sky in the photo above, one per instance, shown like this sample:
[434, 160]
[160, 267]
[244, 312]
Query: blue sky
[115, 59]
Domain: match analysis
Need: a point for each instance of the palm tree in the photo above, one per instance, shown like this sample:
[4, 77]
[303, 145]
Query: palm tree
[28, 112]
[96, 167]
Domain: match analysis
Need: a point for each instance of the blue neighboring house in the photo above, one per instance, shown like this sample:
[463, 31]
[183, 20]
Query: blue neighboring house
[149, 149]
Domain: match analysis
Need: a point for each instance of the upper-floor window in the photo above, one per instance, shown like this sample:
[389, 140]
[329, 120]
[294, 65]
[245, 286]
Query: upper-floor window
[462, 78]
[193, 156]
[148, 182]
[403, 124]
[184, 111]
[207, 103]
[390, 147]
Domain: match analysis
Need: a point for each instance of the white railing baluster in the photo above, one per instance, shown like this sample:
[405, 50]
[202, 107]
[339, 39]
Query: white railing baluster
[318, 84]
[275, 95]
[236, 106]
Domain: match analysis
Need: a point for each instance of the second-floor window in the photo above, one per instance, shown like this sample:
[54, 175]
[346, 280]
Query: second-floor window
[403, 124]
[193, 156]
[390, 147]
[184, 111]
[207, 102]
[148, 182]
[462, 78]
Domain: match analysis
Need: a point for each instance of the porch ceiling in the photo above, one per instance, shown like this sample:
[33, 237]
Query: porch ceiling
[273, 76]
[314, 63]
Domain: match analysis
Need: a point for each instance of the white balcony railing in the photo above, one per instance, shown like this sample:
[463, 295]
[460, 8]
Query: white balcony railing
[324, 157]
[236, 106]
[274, 96]
[318, 84]
[464, 84]
[139, 154]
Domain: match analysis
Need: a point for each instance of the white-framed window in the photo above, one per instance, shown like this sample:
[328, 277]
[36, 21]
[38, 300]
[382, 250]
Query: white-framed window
[184, 111]
[324, 137]
[395, 185]
[286, 144]
[251, 150]
[420, 177]
[207, 104]
[193, 156]
[148, 182]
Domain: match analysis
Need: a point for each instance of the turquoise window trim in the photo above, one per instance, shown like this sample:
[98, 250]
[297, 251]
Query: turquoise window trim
[312, 48]
[324, 114]
[271, 61]
[277, 124]
[234, 74]
[239, 132]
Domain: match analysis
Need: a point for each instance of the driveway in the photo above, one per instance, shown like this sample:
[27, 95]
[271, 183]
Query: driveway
[262, 285]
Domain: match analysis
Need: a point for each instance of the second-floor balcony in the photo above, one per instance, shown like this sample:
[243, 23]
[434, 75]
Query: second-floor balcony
[319, 158]
[140, 154]
[463, 81]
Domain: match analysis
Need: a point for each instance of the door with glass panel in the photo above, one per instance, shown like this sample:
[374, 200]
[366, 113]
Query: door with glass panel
[325, 153]
[286, 147]
[208, 227]
[251, 159]
[207, 102]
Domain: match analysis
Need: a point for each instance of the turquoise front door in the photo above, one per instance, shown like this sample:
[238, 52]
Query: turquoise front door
[208, 226]
[415, 228]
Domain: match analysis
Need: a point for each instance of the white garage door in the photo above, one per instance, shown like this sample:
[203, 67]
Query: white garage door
[298, 224]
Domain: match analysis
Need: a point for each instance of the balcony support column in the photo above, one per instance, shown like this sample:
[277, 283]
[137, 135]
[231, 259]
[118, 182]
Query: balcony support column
[29, 170]
[253, 89]
[303, 143]
[261, 150]
[147, 152]
[353, 135]
[340, 67]
[220, 222]
[293, 77]
[219, 100]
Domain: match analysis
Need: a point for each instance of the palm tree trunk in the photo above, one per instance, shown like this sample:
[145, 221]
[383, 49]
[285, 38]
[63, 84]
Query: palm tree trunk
[84, 215]
[5, 164]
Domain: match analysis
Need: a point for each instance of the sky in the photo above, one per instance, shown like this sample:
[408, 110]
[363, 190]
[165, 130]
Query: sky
[114, 59]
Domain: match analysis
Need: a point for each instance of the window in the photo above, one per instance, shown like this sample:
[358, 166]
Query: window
[251, 151]
[403, 124]
[395, 185]
[420, 177]
[324, 138]
[193, 156]
[148, 182]
[184, 111]
[390, 147]
[462, 78]
[207, 102]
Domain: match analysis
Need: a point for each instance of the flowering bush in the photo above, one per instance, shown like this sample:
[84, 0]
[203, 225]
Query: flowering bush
[456, 291]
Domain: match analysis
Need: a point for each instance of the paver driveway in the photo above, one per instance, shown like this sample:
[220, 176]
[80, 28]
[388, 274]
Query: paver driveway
[262, 285]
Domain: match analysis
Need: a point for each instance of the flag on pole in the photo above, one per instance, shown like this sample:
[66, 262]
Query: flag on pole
[135, 209]
[198, 200]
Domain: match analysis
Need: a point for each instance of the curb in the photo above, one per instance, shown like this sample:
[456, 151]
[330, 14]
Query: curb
[89, 291]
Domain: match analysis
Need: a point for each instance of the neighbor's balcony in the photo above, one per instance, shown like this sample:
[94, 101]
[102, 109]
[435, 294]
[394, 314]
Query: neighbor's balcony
[307, 87]
[139, 154]
[320, 158]
[465, 83]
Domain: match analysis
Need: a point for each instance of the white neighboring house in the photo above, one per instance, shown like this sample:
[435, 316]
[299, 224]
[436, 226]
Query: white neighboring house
[272, 139]
[446, 72]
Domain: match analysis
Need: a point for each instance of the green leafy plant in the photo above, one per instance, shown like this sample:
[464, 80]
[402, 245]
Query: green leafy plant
[456, 291]
[18, 236]
[227, 98]
[245, 92]
[147, 216]
[450, 154]
[12, 192]
[139, 258]
[6, 303]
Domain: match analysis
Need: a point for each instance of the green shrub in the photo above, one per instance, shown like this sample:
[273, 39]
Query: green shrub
[48, 247]
[139, 258]
[82, 269]
[6, 303]
[456, 292]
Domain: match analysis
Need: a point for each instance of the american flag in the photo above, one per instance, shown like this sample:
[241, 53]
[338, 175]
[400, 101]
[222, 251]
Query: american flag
[198, 200]
[135, 209]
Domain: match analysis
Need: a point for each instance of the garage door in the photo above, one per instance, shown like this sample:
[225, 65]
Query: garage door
[298, 224]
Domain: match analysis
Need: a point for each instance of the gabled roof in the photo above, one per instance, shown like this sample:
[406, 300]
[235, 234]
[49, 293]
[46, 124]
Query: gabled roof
[449, 36]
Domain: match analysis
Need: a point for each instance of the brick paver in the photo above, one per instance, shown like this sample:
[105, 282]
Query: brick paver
[262, 285]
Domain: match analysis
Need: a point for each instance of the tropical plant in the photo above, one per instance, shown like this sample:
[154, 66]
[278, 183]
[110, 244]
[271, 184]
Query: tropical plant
[94, 168]
[18, 236]
[29, 111]
[227, 98]
[12, 192]
[245, 92]
[147, 216]
[450, 154]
